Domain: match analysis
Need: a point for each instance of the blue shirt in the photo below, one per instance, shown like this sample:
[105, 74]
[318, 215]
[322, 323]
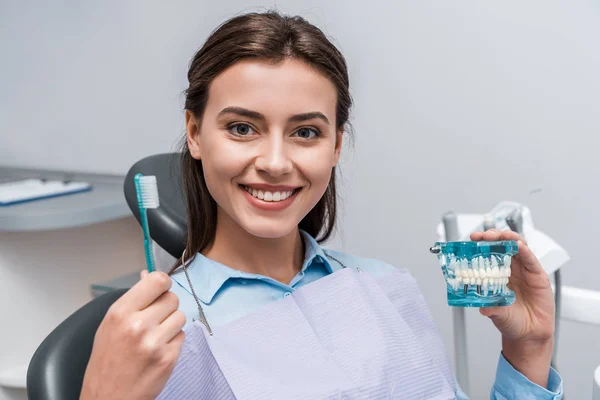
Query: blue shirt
[227, 294]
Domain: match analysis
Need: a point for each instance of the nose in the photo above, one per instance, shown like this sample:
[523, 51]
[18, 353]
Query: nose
[274, 158]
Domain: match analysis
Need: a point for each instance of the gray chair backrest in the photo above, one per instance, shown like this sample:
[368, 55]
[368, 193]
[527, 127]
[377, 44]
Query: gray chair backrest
[57, 368]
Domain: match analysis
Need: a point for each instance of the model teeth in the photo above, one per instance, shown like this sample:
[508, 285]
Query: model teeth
[268, 196]
[488, 275]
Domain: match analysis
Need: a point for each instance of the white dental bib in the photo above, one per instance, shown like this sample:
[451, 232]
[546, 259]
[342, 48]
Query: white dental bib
[344, 336]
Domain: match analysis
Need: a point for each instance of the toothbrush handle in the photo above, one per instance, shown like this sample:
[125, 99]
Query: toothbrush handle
[147, 241]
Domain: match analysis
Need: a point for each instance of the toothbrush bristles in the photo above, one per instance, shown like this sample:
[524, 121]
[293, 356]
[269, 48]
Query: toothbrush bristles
[149, 191]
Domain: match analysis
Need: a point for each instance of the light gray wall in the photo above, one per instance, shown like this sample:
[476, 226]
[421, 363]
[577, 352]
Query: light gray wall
[459, 105]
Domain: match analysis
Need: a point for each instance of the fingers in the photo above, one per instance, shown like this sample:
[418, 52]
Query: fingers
[528, 260]
[143, 273]
[477, 236]
[162, 308]
[496, 314]
[494, 234]
[170, 327]
[525, 255]
[145, 292]
[177, 342]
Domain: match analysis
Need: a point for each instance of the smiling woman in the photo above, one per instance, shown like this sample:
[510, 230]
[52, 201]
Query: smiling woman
[281, 91]
[267, 312]
[265, 131]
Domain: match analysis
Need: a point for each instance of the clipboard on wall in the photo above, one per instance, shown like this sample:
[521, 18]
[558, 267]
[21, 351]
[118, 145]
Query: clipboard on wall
[26, 190]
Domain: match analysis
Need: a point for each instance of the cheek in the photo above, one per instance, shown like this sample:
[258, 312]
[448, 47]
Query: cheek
[316, 166]
[221, 165]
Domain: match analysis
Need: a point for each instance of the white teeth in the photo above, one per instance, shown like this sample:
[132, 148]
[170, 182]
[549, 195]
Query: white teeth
[452, 267]
[455, 283]
[490, 274]
[495, 272]
[269, 196]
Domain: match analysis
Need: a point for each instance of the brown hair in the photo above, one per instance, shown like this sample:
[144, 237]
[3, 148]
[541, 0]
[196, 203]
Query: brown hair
[266, 36]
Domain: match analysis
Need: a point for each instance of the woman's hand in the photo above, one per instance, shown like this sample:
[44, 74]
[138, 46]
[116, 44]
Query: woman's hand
[527, 326]
[137, 343]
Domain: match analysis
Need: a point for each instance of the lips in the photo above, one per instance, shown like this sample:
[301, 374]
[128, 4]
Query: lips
[269, 195]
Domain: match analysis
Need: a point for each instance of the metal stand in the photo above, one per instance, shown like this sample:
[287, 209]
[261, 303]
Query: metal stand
[458, 315]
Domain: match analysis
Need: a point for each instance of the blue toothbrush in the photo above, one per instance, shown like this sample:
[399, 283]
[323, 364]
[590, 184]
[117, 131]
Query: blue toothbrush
[147, 197]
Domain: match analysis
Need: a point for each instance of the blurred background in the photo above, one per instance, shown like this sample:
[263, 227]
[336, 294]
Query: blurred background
[458, 106]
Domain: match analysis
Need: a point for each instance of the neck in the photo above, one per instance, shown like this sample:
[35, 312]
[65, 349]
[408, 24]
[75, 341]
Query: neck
[279, 258]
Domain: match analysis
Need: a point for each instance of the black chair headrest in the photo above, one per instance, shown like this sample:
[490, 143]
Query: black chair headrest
[168, 226]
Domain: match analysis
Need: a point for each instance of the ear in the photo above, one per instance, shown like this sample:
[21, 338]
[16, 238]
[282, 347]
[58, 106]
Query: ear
[338, 146]
[192, 128]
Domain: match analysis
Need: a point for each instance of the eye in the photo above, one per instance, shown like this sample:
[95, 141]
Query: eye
[307, 133]
[241, 129]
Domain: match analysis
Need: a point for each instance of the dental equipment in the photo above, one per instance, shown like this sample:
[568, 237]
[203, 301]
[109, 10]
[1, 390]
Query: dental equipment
[477, 273]
[458, 227]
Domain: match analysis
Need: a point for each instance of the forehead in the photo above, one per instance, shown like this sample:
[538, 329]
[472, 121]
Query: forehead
[288, 87]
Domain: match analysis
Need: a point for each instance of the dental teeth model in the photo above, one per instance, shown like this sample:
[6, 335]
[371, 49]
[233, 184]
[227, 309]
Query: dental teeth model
[477, 273]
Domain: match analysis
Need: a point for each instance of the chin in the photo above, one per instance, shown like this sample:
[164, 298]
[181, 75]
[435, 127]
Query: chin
[274, 229]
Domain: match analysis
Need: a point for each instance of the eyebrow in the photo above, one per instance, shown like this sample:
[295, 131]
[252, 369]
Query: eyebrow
[258, 116]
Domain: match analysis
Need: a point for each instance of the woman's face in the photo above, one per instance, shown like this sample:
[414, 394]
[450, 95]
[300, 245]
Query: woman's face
[268, 143]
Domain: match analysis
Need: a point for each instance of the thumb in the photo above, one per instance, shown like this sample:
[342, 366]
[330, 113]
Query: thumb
[143, 273]
[498, 315]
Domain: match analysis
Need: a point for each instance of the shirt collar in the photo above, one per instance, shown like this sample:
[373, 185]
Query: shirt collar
[313, 251]
[209, 275]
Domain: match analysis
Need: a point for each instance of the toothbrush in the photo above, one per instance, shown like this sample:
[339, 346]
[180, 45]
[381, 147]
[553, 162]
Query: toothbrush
[147, 197]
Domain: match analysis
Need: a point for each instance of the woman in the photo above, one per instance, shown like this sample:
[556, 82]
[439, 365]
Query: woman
[266, 111]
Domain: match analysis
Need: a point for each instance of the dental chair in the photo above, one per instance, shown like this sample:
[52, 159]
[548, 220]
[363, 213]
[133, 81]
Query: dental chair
[58, 366]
